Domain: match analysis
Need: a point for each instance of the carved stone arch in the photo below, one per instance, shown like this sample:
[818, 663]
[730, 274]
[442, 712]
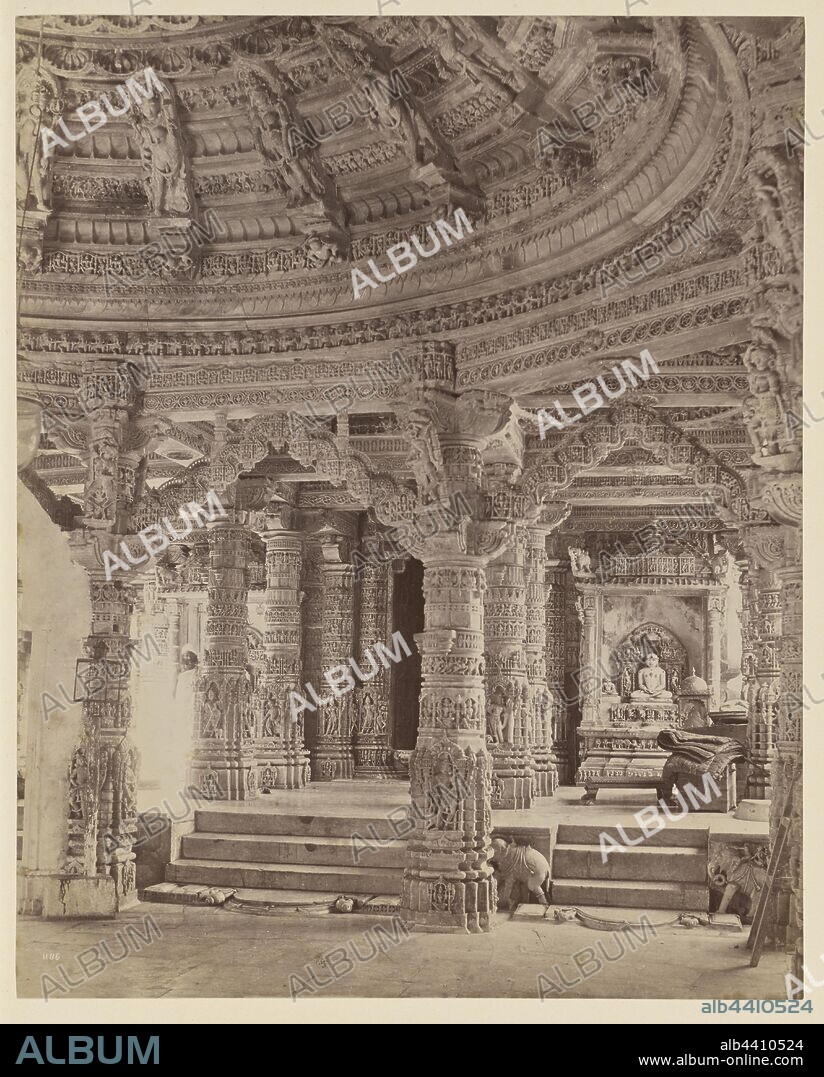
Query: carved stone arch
[391, 500]
[244, 446]
[576, 452]
[166, 500]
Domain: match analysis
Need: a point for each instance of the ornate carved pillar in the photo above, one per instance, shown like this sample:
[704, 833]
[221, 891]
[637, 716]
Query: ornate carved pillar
[716, 611]
[153, 681]
[448, 883]
[779, 704]
[758, 782]
[370, 721]
[173, 607]
[508, 716]
[312, 630]
[788, 763]
[766, 552]
[102, 817]
[540, 703]
[283, 761]
[332, 756]
[555, 634]
[223, 758]
[102, 812]
[587, 608]
[768, 672]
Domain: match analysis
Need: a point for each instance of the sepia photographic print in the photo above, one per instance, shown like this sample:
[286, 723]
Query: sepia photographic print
[409, 503]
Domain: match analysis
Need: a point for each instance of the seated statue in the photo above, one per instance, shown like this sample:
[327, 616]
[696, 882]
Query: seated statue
[652, 682]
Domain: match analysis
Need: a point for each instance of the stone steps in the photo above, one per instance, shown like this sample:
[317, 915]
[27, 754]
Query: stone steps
[370, 828]
[674, 863]
[291, 849]
[636, 894]
[311, 854]
[590, 834]
[667, 870]
[241, 874]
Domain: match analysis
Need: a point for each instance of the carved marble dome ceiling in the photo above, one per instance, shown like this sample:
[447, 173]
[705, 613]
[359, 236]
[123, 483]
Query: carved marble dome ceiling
[265, 308]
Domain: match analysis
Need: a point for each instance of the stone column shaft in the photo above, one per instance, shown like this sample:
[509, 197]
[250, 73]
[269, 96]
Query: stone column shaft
[555, 633]
[283, 762]
[223, 759]
[371, 699]
[716, 609]
[787, 766]
[758, 781]
[768, 672]
[102, 821]
[543, 758]
[509, 719]
[448, 883]
[332, 756]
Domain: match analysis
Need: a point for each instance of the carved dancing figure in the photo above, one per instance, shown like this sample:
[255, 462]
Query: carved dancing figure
[413, 130]
[320, 252]
[368, 720]
[165, 162]
[494, 722]
[100, 497]
[450, 57]
[300, 173]
[33, 168]
[211, 718]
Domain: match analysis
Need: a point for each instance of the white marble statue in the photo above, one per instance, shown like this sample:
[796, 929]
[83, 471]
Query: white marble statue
[652, 682]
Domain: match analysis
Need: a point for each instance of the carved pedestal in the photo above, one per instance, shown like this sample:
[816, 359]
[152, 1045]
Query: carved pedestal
[623, 752]
[223, 757]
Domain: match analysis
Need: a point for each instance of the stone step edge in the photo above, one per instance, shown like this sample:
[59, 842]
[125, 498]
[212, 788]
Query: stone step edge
[187, 894]
[658, 850]
[292, 839]
[632, 884]
[311, 869]
[313, 902]
[699, 838]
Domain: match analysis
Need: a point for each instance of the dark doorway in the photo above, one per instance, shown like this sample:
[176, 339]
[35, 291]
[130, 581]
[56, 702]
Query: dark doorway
[407, 618]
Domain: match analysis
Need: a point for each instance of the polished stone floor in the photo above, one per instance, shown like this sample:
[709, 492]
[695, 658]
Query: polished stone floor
[215, 953]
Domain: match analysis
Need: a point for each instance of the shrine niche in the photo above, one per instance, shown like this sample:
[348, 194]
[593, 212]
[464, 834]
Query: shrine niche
[671, 658]
[641, 642]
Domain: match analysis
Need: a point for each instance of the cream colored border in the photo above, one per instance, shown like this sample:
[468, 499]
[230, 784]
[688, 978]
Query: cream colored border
[432, 1011]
